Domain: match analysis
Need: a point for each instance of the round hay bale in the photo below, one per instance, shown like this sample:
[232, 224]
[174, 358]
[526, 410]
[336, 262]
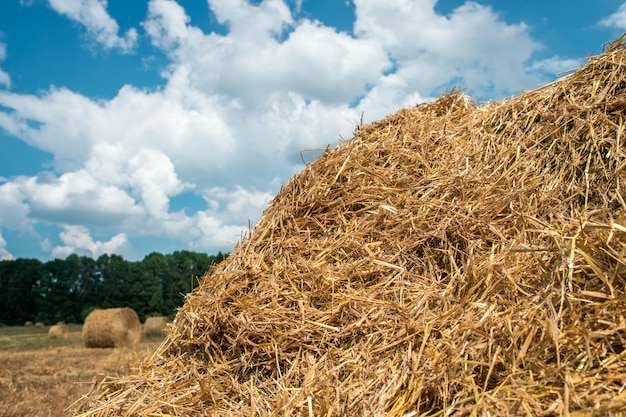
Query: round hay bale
[114, 327]
[58, 331]
[39, 324]
[28, 324]
[155, 326]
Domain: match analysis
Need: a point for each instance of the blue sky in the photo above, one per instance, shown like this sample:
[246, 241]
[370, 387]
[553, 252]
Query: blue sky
[158, 125]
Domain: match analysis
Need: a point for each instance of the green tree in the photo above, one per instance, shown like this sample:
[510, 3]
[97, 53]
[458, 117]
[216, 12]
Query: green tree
[113, 273]
[156, 265]
[184, 271]
[18, 294]
[146, 290]
[87, 284]
[68, 289]
[129, 284]
[58, 298]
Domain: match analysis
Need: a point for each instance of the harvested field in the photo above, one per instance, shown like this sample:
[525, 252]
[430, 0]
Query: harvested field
[449, 260]
[42, 377]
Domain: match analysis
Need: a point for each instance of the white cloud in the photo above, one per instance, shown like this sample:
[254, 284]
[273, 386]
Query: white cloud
[77, 239]
[4, 77]
[247, 21]
[556, 65]
[45, 245]
[56, 122]
[92, 14]
[13, 209]
[152, 176]
[249, 67]
[298, 5]
[78, 198]
[390, 92]
[616, 20]
[214, 233]
[471, 45]
[5, 255]
[238, 202]
[236, 111]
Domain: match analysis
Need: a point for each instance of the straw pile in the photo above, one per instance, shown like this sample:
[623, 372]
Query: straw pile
[449, 260]
[113, 327]
[155, 326]
[58, 331]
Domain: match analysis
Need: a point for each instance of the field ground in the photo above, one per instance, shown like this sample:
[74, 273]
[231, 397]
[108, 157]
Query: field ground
[42, 377]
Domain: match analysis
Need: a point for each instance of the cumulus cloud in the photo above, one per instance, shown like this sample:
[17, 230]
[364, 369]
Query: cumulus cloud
[77, 239]
[616, 20]
[241, 203]
[212, 230]
[77, 197]
[55, 121]
[236, 111]
[14, 210]
[5, 255]
[152, 176]
[252, 65]
[93, 15]
[556, 65]
[471, 45]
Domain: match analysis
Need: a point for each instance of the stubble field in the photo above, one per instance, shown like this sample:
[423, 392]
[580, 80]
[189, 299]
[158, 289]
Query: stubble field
[42, 377]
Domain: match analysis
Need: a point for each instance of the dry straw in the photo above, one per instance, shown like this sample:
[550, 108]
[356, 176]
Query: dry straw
[448, 260]
[155, 326]
[58, 331]
[114, 327]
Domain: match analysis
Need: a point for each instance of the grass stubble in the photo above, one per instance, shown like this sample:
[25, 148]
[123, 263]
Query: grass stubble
[43, 377]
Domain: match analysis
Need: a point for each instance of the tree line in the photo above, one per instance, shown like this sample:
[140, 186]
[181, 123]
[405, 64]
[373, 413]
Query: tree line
[69, 289]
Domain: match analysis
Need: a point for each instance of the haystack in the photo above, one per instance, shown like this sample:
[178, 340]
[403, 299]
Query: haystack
[449, 260]
[155, 326]
[114, 327]
[58, 331]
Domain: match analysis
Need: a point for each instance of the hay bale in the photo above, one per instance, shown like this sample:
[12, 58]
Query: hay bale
[155, 326]
[114, 327]
[448, 260]
[39, 324]
[28, 324]
[58, 331]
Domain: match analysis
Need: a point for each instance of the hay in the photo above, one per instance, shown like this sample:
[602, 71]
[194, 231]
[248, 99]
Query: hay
[449, 260]
[28, 324]
[58, 331]
[155, 326]
[114, 327]
[39, 324]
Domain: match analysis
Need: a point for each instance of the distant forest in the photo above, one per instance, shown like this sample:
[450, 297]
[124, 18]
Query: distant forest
[69, 289]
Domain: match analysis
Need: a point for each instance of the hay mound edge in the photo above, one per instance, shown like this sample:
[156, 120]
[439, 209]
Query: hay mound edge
[449, 260]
